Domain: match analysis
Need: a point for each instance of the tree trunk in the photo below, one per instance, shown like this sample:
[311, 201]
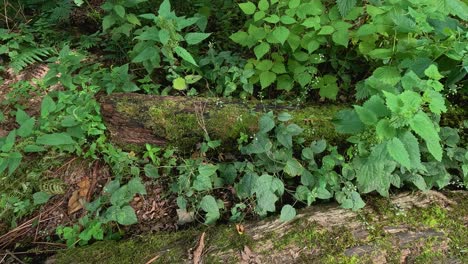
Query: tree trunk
[135, 119]
[425, 226]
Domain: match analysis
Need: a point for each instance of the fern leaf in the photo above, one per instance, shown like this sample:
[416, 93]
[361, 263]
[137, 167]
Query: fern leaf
[28, 56]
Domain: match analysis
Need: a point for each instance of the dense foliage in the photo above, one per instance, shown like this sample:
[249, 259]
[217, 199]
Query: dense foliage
[401, 64]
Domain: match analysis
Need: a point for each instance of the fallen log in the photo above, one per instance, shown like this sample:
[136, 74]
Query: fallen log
[425, 226]
[182, 122]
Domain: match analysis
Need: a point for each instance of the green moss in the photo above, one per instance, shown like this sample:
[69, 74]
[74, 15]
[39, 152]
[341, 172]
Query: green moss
[137, 250]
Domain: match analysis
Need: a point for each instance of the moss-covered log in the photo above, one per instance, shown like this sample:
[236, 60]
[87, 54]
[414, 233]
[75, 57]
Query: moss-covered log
[408, 228]
[135, 119]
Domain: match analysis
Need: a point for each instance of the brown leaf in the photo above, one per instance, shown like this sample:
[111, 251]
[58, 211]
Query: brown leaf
[240, 229]
[84, 187]
[74, 203]
[197, 254]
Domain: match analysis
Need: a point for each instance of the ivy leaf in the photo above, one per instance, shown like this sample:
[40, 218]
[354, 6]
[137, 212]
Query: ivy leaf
[398, 152]
[281, 34]
[261, 49]
[195, 38]
[293, 167]
[185, 55]
[55, 139]
[209, 205]
[423, 126]
[344, 6]
[287, 213]
[248, 8]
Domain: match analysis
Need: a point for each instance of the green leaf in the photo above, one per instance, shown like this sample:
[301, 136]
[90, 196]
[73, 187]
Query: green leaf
[240, 37]
[341, 37]
[283, 117]
[151, 171]
[185, 55]
[202, 183]
[344, 6]
[398, 152]
[281, 34]
[433, 73]
[367, 116]
[248, 8]
[261, 49]
[263, 5]
[287, 213]
[136, 186]
[164, 36]
[293, 167]
[294, 3]
[165, 9]
[195, 38]
[26, 127]
[272, 19]
[21, 116]
[33, 148]
[384, 130]
[207, 169]
[266, 123]
[55, 139]
[354, 202]
[287, 20]
[133, 19]
[326, 30]
[436, 101]
[47, 106]
[209, 205]
[41, 198]
[423, 126]
[347, 122]
[412, 146]
[328, 87]
[145, 54]
[179, 84]
[119, 10]
[126, 216]
[267, 78]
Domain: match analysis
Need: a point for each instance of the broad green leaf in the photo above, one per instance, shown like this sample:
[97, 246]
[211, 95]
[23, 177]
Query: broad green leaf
[347, 122]
[55, 139]
[192, 78]
[209, 205]
[377, 105]
[179, 84]
[433, 73]
[344, 6]
[21, 116]
[9, 142]
[266, 123]
[164, 36]
[165, 9]
[248, 8]
[136, 186]
[319, 146]
[264, 65]
[294, 3]
[119, 10]
[47, 106]
[185, 55]
[398, 152]
[145, 54]
[436, 101]
[326, 30]
[418, 181]
[41, 198]
[26, 128]
[381, 53]
[272, 19]
[13, 160]
[207, 169]
[287, 20]
[287, 213]
[263, 5]
[284, 116]
[267, 78]
[281, 34]
[261, 49]
[328, 87]
[293, 167]
[202, 183]
[367, 116]
[151, 171]
[341, 37]
[195, 38]
[354, 202]
[33, 148]
[385, 130]
[423, 126]
[126, 216]
[133, 19]
[259, 15]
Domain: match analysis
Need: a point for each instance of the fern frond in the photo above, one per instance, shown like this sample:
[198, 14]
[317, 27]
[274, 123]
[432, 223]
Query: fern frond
[29, 56]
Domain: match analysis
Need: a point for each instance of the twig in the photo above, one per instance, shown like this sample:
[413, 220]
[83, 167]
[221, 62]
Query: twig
[197, 254]
[13, 255]
[152, 260]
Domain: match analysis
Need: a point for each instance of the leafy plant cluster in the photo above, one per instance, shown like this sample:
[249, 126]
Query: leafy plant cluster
[403, 62]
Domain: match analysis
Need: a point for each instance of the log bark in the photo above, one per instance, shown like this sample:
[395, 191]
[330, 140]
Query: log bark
[135, 119]
[318, 234]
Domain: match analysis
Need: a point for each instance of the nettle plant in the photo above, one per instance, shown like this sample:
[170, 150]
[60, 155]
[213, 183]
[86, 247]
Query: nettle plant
[393, 131]
[286, 37]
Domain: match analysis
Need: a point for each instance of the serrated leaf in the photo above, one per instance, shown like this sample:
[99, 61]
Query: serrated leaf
[293, 167]
[267, 78]
[347, 122]
[55, 139]
[185, 55]
[287, 213]
[398, 152]
[344, 6]
[412, 146]
[384, 130]
[248, 8]
[195, 38]
[433, 73]
[281, 34]
[367, 116]
[423, 126]
[261, 49]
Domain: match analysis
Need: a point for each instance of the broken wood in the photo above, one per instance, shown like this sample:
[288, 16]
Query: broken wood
[136, 119]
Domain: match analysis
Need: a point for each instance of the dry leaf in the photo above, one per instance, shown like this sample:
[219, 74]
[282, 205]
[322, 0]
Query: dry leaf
[84, 186]
[74, 203]
[184, 217]
[197, 254]
[240, 229]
